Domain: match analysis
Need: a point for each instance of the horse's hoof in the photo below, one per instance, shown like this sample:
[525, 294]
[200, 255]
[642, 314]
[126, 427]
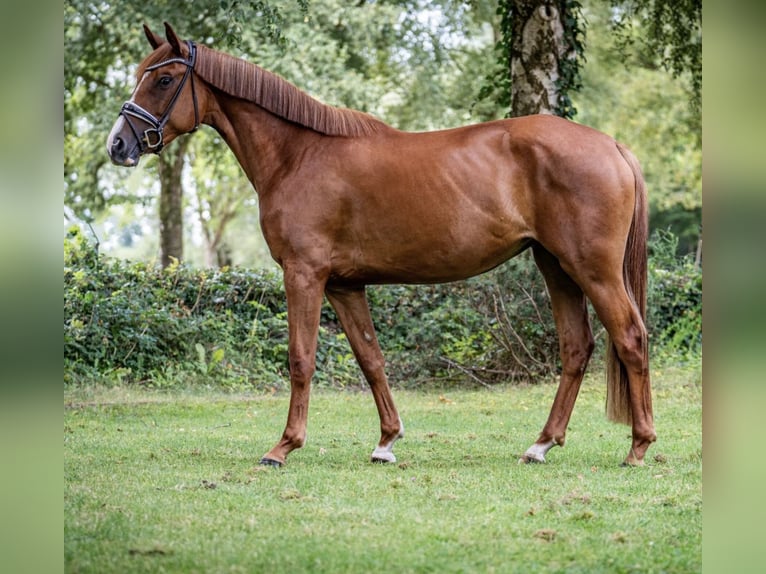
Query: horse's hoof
[382, 455]
[270, 462]
[386, 458]
[530, 459]
[537, 452]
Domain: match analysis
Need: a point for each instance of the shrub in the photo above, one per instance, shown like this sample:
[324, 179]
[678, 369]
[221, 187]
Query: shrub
[675, 300]
[493, 328]
[136, 323]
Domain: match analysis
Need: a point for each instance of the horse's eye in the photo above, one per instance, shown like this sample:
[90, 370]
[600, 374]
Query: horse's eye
[165, 81]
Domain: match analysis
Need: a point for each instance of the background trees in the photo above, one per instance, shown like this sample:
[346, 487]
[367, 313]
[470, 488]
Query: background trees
[630, 68]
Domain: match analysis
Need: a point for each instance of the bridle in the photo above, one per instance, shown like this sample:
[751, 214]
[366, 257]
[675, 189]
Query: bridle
[151, 140]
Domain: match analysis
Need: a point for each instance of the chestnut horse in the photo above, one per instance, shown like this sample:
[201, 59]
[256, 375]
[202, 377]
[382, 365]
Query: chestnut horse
[347, 201]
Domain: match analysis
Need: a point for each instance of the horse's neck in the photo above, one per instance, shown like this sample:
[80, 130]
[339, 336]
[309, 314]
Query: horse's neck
[261, 141]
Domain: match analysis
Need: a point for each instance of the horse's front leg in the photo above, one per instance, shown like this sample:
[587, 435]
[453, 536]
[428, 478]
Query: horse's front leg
[304, 287]
[354, 314]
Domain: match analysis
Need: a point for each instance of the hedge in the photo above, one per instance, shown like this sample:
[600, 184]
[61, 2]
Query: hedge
[135, 323]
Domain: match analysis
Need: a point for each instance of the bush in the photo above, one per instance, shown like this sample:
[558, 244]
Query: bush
[674, 313]
[136, 323]
[497, 327]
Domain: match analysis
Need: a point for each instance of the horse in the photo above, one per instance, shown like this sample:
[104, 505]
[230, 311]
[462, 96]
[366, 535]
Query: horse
[347, 201]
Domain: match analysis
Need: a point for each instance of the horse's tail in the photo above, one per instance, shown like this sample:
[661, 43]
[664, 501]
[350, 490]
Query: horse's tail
[634, 270]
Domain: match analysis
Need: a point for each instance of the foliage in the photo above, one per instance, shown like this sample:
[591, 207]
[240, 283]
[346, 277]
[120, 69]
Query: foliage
[135, 323]
[665, 33]
[497, 83]
[570, 80]
[493, 328]
[675, 292]
[170, 483]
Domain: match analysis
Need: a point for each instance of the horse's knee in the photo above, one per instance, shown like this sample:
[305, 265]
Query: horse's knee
[575, 358]
[373, 366]
[302, 368]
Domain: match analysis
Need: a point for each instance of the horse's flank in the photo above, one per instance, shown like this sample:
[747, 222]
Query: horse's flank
[247, 81]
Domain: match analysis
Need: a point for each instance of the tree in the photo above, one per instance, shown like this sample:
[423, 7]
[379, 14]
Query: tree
[666, 33]
[546, 45]
[170, 167]
[541, 48]
[220, 191]
[539, 52]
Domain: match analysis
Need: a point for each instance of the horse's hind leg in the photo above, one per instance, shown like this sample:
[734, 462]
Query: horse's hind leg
[575, 346]
[354, 314]
[627, 331]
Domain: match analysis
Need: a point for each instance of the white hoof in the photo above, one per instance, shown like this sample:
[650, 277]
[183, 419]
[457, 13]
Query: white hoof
[385, 453]
[537, 452]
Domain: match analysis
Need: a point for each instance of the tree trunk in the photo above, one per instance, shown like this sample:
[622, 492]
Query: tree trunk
[214, 216]
[538, 47]
[171, 165]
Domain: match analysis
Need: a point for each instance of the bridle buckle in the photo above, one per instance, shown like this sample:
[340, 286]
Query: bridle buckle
[152, 146]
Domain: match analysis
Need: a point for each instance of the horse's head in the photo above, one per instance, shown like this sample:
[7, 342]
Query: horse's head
[164, 103]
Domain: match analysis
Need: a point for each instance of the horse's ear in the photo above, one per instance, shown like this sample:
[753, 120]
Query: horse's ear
[154, 39]
[173, 39]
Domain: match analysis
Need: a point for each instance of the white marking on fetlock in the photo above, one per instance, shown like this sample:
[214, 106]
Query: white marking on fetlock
[537, 452]
[385, 453]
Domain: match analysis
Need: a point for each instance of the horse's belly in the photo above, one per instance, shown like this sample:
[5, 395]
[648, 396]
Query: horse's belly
[415, 260]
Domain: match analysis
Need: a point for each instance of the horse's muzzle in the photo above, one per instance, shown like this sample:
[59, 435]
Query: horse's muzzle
[119, 154]
[121, 146]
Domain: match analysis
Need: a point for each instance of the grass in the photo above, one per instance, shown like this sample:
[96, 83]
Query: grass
[169, 483]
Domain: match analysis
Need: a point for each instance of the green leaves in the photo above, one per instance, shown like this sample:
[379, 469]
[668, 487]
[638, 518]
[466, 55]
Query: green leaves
[665, 33]
[675, 293]
[149, 322]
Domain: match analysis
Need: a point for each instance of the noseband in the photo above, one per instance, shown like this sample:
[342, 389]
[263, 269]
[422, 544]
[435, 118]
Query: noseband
[151, 140]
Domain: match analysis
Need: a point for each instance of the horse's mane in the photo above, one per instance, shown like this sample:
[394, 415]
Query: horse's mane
[250, 82]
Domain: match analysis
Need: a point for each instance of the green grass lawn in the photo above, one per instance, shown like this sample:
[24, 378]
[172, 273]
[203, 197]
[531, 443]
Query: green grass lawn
[170, 483]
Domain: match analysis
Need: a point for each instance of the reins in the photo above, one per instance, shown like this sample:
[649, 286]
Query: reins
[151, 139]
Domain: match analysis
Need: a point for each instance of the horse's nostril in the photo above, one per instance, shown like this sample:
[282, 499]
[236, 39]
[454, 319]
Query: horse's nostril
[118, 145]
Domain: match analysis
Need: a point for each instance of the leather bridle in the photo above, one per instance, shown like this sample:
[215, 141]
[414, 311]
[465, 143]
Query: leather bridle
[151, 140]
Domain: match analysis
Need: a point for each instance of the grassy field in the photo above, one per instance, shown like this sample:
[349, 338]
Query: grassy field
[169, 483]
